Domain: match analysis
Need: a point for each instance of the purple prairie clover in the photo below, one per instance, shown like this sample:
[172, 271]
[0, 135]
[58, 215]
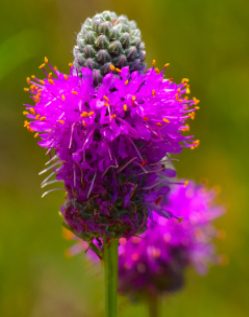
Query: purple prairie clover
[154, 263]
[110, 144]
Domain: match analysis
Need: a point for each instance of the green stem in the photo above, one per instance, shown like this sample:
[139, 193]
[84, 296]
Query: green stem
[111, 277]
[153, 307]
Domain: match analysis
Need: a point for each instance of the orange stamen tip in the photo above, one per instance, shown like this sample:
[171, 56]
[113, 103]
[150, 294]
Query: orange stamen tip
[133, 98]
[146, 118]
[127, 81]
[159, 124]
[158, 200]
[84, 114]
[63, 97]
[186, 183]
[37, 117]
[25, 113]
[33, 76]
[55, 68]
[74, 93]
[65, 77]
[197, 107]
[125, 107]
[50, 75]
[153, 93]
[166, 120]
[61, 121]
[188, 91]
[143, 163]
[118, 70]
[180, 219]
[42, 66]
[112, 67]
[43, 118]
[157, 71]
[106, 98]
[154, 63]
[90, 114]
[70, 64]
[51, 81]
[113, 116]
[32, 110]
[192, 115]
[26, 123]
[177, 97]
[45, 59]
[185, 80]
[28, 80]
[179, 90]
[196, 101]
[26, 89]
[36, 135]
[84, 124]
[167, 65]
[42, 82]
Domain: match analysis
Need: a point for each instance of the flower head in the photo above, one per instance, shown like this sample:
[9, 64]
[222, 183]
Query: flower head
[109, 142]
[154, 263]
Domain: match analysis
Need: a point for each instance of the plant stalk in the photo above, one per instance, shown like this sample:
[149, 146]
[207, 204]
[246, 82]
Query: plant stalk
[153, 308]
[111, 277]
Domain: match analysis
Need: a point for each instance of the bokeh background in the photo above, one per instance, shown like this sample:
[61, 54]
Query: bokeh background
[206, 41]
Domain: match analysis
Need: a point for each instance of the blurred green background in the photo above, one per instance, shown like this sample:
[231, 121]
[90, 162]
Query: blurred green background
[206, 41]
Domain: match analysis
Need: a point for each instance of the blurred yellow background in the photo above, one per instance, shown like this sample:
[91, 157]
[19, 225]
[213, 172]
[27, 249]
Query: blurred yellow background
[206, 41]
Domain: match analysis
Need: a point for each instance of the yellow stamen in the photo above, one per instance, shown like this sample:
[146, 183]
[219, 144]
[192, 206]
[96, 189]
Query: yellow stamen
[125, 107]
[32, 110]
[196, 101]
[112, 67]
[25, 113]
[166, 120]
[192, 115]
[25, 89]
[106, 104]
[106, 98]
[42, 82]
[70, 64]
[188, 90]
[179, 90]
[159, 124]
[28, 80]
[118, 70]
[51, 81]
[55, 68]
[153, 93]
[61, 121]
[113, 116]
[90, 113]
[43, 118]
[133, 98]
[197, 107]
[157, 71]
[33, 76]
[180, 219]
[45, 59]
[146, 118]
[74, 93]
[186, 183]
[42, 65]
[127, 81]
[65, 77]
[50, 75]
[37, 117]
[30, 129]
[177, 97]
[167, 65]
[84, 114]
[36, 135]
[185, 80]
[154, 63]
[63, 97]
[84, 124]
[26, 123]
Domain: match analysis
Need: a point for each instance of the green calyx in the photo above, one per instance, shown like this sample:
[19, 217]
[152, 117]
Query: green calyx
[106, 40]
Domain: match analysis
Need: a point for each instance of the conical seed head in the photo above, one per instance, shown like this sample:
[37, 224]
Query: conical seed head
[105, 40]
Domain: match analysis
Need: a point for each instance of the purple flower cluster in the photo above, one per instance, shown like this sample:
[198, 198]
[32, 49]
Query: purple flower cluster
[154, 263]
[110, 144]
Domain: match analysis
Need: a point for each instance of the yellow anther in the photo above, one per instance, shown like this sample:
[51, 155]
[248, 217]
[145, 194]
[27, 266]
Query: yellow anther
[112, 67]
[166, 120]
[106, 98]
[154, 63]
[113, 116]
[42, 65]
[33, 87]
[42, 82]
[180, 219]
[30, 129]
[50, 75]
[133, 98]
[33, 76]
[197, 107]
[70, 65]
[106, 104]
[186, 183]
[167, 65]
[196, 101]
[84, 114]
[90, 113]
[63, 97]
[125, 107]
[158, 200]
[43, 118]
[186, 98]
[25, 113]
[146, 118]
[179, 90]
[65, 77]
[61, 121]
[118, 70]
[37, 117]
[32, 110]
[192, 115]
[36, 135]
[28, 80]
[84, 124]
[185, 128]
[74, 93]
[26, 123]
[177, 98]
[157, 71]
[25, 89]
[159, 124]
[185, 80]
[188, 90]
[51, 81]
[55, 68]
[153, 93]
[45, 59]
[127, 81]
